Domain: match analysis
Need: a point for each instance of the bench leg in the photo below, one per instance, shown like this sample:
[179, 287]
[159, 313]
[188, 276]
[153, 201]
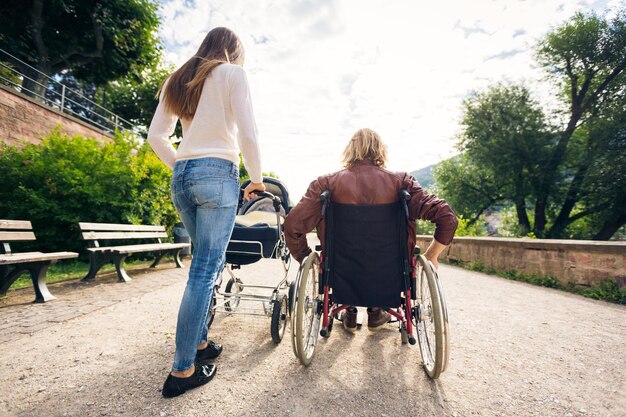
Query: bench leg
[176, 254]
[38, 275]
[95, 263]
[119, 266]
[8, 278]
[158, 259]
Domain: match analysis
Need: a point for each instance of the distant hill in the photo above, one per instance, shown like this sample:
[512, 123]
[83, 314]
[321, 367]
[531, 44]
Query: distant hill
[425, 176]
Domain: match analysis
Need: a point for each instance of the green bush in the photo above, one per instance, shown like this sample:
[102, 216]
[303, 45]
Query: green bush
[479, 228]
[66, 180]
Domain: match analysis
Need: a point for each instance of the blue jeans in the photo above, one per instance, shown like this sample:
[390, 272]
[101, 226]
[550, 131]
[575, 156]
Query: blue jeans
[205, 192]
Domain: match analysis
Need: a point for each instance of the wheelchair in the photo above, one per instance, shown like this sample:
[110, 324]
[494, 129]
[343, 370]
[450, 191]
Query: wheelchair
[257, 235]
[362, 244]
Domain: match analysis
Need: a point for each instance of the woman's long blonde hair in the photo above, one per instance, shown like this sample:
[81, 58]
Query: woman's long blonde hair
[365, 145]
[184, 86]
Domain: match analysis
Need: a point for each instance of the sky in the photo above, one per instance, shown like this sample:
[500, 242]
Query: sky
[321, 69]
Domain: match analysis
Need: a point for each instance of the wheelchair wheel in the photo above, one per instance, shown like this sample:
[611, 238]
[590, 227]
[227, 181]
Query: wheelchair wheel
[430, 321]
[233, 287]
[292, 296]
[279, 319]
[305, 321]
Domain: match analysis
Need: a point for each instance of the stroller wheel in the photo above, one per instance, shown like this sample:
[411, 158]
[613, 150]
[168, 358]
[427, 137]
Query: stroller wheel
[233, 287]
[279, 319]
[212, 309]
[404, 337]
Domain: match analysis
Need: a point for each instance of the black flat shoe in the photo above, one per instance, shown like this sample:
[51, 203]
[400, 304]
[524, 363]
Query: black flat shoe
[212, 351]
[174, 386]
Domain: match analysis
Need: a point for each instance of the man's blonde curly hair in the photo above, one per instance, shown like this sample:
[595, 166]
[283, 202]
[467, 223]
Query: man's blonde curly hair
[365, 145]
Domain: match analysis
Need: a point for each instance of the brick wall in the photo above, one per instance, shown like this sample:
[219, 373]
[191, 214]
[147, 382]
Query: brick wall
[24, 119]
[581, 262]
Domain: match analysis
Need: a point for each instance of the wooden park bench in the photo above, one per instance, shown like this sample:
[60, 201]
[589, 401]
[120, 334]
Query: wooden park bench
[12, 265]
[101, 255]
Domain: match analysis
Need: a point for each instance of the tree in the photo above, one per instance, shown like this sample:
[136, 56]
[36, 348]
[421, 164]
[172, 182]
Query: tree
[466, 186]
[96, 41]
[134, 97]
[602, 191]
[587, 57]
[505, 135]
[563, 173]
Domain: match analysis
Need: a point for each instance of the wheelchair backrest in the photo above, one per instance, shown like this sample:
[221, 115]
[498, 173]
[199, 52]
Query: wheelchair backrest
[365, 250]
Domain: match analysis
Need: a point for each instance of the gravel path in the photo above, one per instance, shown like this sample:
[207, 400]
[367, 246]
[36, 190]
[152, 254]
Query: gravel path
[516, 350]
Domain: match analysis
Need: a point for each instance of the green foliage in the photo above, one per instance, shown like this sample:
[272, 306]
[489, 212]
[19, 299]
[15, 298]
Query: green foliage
[72, 270]
[96, 41]
[582, 54]
[66, 180]
[509, 225]
[467, 228]
[424, 227]
[468, 187]
[8, 76]
[134, 97]
[562, 181]
[606, 291]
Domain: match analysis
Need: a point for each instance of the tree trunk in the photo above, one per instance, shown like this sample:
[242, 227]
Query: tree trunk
[540, 216]
[563, 220]
[33, 84]
[611, 226]
[522, 217]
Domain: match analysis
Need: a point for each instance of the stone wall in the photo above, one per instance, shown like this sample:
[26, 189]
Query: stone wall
[24, 119]
[580, 262]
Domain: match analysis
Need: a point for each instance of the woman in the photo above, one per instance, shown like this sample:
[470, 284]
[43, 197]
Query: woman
[209, 94]
[366, 181]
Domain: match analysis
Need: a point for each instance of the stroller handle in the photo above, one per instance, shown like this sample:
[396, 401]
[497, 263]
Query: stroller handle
[265, 194]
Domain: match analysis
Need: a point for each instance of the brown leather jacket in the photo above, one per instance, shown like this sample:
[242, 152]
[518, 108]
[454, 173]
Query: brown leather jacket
[365, 183]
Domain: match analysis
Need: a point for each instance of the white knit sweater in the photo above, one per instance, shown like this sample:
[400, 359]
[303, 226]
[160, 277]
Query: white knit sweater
[222, 126]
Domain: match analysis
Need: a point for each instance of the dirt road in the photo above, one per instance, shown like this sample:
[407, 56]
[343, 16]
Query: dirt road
[516, 350]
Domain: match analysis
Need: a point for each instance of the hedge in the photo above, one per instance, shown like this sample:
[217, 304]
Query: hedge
[66, 180]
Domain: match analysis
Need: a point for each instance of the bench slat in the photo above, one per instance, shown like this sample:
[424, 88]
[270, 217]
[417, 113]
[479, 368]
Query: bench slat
[140, 248]
[34, 257]
[122, 235]
[15, 236]
[15, 224]
[119, 227]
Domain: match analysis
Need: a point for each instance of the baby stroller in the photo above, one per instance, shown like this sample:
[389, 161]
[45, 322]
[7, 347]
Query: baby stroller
[258, 234]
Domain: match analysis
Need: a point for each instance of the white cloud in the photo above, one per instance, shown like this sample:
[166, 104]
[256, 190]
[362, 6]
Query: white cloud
[320, 69]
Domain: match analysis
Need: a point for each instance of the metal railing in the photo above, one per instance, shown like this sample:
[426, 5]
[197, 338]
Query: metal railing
[57, 95]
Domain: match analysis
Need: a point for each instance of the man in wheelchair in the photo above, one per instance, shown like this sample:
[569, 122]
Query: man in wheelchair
[365, 181]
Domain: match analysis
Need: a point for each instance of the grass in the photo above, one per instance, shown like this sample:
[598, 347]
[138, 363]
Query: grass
[607, 290]
[71, 270]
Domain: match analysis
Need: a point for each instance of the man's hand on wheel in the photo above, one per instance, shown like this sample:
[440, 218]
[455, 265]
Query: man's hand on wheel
[432, 253]
[434, 261]
[248, 192]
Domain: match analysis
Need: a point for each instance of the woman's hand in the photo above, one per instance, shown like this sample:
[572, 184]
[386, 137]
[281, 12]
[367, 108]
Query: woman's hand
[248, 192]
